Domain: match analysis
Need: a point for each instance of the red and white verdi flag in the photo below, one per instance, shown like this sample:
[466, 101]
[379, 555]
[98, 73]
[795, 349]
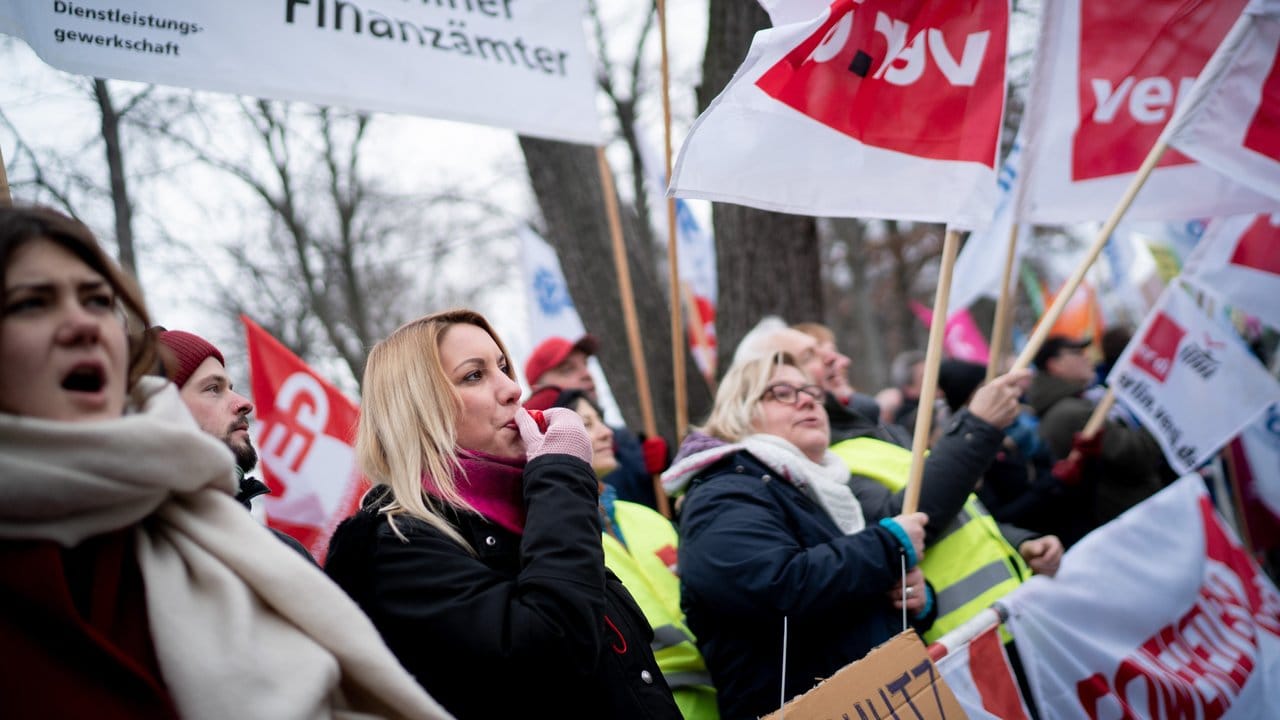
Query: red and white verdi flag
[306, 429]
[874, 108]
[1190, 380]
[979, 675]
[1158, 614]
[1240, 258]
[1232, 120]
[1108, 76]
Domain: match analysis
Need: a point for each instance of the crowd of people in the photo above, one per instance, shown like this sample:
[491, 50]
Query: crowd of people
[509, 558]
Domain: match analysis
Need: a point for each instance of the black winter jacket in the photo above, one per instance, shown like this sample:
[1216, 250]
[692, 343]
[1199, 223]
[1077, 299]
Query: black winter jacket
[753, 549]
[530, 626]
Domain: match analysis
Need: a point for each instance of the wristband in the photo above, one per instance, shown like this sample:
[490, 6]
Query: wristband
[902, 537]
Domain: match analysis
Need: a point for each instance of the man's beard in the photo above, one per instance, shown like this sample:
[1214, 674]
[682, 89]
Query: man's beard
[246, 456]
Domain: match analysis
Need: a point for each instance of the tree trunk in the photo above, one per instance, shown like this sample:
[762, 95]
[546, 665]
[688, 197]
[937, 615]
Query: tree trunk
[766, 262]
[119, 188]
[566, 181]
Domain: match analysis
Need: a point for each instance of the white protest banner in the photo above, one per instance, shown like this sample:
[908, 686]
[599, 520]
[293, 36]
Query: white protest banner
[978, 266]
[1157, 614]
[1108, 76]
[519, 64]
[1191, 381]
[547, 301]
[305, 443]
[874, 108]
[1240, 258]
[1232, 120]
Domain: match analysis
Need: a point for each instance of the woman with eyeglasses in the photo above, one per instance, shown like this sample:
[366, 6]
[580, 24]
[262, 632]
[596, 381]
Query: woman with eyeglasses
[779, 564]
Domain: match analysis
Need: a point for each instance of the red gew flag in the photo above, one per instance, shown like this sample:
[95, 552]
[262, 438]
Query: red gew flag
[306, 433]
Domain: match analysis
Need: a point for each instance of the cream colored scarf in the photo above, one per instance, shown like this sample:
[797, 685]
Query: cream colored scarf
[243, 627]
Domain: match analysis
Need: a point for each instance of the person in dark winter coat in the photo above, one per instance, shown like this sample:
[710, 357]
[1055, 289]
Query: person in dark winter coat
[1121, 465]
[477, 554]
[773, 543]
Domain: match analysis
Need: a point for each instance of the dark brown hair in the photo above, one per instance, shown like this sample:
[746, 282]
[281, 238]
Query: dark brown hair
[23, 224]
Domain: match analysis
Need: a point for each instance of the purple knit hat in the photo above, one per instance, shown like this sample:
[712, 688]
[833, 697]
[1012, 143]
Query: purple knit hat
[185, 353]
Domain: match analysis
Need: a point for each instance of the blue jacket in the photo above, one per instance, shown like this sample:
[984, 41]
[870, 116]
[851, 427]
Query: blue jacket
[753, 549]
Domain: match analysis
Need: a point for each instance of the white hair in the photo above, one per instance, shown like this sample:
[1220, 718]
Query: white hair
[759, 341]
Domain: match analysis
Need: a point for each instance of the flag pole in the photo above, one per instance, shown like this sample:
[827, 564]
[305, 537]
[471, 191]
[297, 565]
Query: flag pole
[1004, 306]
[673, 254]
[629, 313]
[6, 200]
[1069, 288]
[932, 360]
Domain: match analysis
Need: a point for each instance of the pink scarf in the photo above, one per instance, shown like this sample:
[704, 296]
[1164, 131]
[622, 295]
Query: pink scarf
[494, 486]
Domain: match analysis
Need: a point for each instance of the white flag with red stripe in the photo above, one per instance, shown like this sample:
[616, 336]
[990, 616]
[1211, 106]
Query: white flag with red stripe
[979, 674]
[1240, 258]
[1158, 614]
[872, 108]
[1108, 76]
[1232, 119]
[306, 430]
[1190, 380]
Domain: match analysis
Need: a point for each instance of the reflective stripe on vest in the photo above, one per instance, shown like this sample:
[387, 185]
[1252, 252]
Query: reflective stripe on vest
[969, 564]
[644, 572]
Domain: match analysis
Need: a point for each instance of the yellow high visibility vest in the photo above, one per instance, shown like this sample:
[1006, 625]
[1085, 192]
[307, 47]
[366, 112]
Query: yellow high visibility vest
[970, 565]
[647, 568]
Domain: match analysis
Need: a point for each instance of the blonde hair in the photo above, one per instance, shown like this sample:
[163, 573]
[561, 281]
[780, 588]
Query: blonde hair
[738, 396]
[408, 420]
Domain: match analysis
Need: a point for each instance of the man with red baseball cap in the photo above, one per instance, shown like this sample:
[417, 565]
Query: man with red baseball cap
[561, 363]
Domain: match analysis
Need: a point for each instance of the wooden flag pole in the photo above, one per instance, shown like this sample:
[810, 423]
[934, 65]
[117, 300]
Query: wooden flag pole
[673, 254]
[932, 360]
[1069, 288]
[6, 200]
[629, 313]
[1004, 306]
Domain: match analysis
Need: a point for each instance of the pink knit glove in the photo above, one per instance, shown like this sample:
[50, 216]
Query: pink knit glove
[565, 434]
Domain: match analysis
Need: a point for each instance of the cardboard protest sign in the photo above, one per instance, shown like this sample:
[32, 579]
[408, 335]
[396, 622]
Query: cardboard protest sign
[897, 679]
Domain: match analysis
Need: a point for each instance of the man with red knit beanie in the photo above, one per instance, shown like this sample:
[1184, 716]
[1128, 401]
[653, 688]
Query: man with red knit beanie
[199, 371]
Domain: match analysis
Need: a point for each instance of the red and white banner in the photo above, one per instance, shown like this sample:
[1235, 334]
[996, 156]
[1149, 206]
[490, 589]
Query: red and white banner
[1232, 119]
[977, 670]
[1240, 258]
[306, 429]
[873, 108]
[1158, 614]
[1190, 380]
[1108, 76]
